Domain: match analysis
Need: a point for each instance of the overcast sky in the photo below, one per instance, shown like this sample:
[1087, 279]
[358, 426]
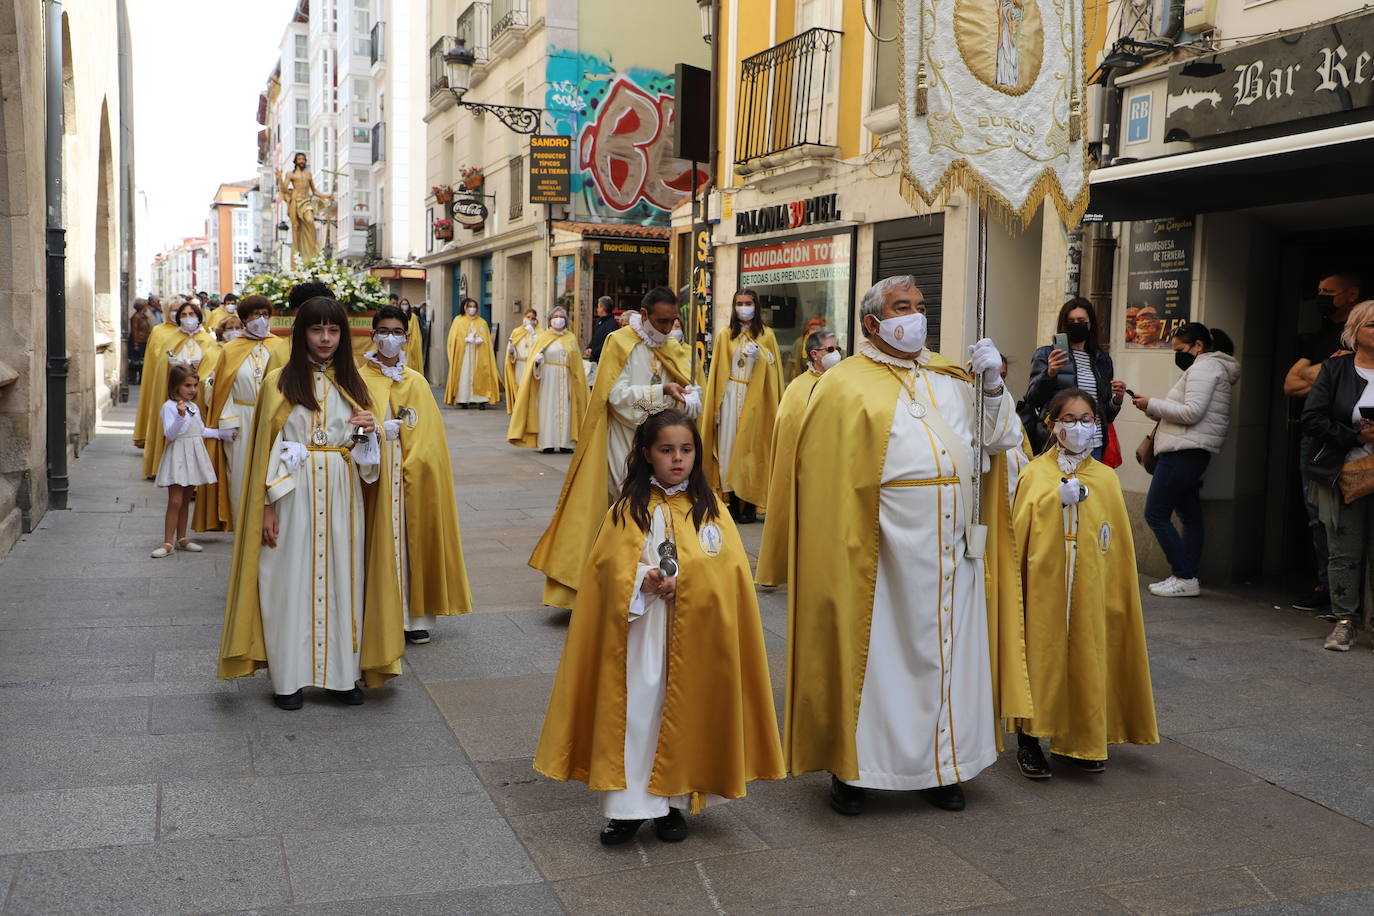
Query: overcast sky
[198, 69]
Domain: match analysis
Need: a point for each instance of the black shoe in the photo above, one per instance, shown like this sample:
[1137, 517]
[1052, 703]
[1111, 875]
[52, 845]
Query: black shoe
[289, 701]
[565, 451]
[418, 637]
[482, 406]
[1316, 601]
[1088, 766]
[547, 451]
[948, 798]
[352, 697]
[616, 832]
[748, 513]
[671, 827]
[846, 799]
[464, 406]
[1031, 759]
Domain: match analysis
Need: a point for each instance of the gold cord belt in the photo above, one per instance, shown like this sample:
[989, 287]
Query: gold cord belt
[742, 381]
[347, 454]
[927, 482]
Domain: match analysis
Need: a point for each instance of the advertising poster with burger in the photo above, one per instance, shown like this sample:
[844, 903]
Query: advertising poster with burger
[1159, 280]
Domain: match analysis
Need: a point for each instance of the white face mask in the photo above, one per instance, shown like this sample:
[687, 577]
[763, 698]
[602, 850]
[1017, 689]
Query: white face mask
[232, 335]
[831, 360]
[676, 334]
[529, 323]
[745, 312]
[472, 311]
[389, 345]
[1075, 437]
[259, 327]
[231, 308]
[904, 333]
[190, 324]
[558, 322]
[653, 335]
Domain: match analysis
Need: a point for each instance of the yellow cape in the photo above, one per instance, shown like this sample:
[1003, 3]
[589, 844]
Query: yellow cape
[524, 397]
[833, 567]
[214, 509]
[772, 568]
[216, 318]
[484, 379]
[434, 545]
[719, 730]
[561, 553]
[147, 421]
[242, 647]
[508, 364]
[753, 452]
[415, 345]
[156, 368]
[1091, 680]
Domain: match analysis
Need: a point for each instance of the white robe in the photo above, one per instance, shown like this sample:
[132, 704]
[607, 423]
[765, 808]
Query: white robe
[633, 397]
[312, 582]
[239, 412]
[465, 395]
[645, 685]
[732, 408]
[521, 352]
[555, 399]
[925, 713]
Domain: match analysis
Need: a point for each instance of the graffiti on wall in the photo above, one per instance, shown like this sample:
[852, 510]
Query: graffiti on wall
[621, 123]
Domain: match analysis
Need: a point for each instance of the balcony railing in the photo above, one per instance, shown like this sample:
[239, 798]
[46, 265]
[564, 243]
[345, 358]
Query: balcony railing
[474, 28]
[507, 15]
[438, 73]
[786, 97]
[379, 142]
[374, 240]
[378, 42]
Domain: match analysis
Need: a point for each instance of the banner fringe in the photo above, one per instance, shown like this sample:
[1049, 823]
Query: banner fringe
[962, 176]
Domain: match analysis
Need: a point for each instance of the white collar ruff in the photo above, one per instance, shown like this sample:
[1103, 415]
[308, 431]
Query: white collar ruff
[669, 491]
[396, 373]
[878, 356]
[1069, 463]
[648, 341]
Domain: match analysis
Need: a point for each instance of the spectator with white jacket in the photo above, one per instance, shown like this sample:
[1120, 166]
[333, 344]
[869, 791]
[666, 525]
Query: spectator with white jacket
[1193, 422]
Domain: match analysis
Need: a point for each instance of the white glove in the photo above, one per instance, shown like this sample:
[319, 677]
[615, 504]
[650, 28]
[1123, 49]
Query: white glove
[369, 453]
[988, 361]
[392, 429]
[539, 359]
[510, 348]
[292, 455]
[692, 407]
[473, 338]
[751, 350]
[1072, 491]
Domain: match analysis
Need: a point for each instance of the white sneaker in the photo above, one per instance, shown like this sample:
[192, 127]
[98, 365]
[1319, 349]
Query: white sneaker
[1167, 583]
[164, 551]
[1179, 588]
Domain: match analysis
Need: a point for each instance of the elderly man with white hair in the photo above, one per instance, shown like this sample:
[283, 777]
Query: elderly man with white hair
[900, 666]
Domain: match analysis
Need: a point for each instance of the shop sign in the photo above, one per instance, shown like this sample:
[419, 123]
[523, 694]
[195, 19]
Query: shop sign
[469, 211]
[794, 215]
[649, 248]
[1324, 70]
[550, 169]
[1159, 281]
[803, 261]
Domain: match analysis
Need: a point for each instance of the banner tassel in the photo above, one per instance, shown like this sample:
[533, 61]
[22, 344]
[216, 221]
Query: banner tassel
[921, 90]
[1075, 119]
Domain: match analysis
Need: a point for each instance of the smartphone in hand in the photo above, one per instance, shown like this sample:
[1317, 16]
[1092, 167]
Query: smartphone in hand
[1367, 413]
[1061, 342]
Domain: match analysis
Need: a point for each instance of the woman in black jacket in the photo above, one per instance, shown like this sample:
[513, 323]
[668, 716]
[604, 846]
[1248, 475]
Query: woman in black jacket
[1086, 365]
[1333, 418]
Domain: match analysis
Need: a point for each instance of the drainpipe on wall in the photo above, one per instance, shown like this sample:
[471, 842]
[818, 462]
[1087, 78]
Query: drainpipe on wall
[126, 195]
[56, 264]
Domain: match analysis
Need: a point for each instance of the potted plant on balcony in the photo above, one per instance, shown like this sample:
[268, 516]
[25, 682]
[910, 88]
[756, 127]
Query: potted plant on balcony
[443, 193]
[443, 229]
[472, 177]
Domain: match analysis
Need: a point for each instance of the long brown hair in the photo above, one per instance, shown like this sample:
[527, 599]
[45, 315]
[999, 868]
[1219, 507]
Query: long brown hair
[755, 323]
[634, 493]
[1094, 341]
[295, 383]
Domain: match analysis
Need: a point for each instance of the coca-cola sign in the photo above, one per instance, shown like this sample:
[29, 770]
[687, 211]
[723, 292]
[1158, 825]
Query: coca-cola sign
[1325, 70]
[469, 211]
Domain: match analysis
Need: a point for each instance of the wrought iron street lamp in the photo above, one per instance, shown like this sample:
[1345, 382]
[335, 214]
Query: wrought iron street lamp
[458, 61]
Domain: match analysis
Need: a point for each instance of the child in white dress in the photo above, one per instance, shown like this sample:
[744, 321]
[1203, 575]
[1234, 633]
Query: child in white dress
[185, 462]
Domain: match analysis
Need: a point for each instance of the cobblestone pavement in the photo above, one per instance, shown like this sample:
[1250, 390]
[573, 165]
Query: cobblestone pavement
[133, 782]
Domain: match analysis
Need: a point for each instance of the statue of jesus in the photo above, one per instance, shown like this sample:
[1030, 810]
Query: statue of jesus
[1010, 13]
[302, 198]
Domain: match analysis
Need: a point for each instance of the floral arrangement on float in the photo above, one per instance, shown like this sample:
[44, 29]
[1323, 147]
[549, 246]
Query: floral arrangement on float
[360, 294]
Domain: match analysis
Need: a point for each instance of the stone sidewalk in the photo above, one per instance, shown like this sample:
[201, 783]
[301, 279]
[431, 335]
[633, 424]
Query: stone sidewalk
[133, 782]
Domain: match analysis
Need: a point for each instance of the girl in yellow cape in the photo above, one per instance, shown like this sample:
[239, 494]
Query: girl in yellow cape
[472, 377]
[551, 398]
[1085, 635]
[662, 699]
[313, 594]
[741, 404]
[517, 352]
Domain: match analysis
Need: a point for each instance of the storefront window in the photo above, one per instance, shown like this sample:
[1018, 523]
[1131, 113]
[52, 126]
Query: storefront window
[801, 282]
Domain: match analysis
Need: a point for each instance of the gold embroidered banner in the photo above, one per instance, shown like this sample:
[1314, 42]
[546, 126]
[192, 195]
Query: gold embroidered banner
[992, 97]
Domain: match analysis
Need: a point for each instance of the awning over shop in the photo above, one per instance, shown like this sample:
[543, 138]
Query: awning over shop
[1317, 165]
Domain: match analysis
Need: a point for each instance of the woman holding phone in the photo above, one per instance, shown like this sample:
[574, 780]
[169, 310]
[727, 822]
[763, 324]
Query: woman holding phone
[1339, 416]
[1076, 360]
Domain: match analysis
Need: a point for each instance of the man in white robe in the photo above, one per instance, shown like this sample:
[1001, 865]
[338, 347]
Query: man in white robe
[925, 718]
